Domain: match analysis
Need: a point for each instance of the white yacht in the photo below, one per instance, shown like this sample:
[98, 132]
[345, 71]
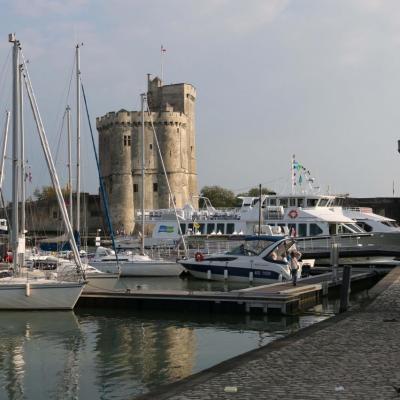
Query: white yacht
[259, 259]
[131, 264]
[296, 219]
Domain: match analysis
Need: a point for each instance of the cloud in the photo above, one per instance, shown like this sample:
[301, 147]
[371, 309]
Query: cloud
[239, 16]
[41, 8]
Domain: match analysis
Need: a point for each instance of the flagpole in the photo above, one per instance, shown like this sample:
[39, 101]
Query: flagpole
[292, 172]
[162, 66]
[163, 51]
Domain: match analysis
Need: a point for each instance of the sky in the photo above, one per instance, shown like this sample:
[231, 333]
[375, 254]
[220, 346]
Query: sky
[316, 78]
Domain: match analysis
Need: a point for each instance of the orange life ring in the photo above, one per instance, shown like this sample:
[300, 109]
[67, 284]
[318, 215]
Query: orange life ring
[293, 214]
[199, 256]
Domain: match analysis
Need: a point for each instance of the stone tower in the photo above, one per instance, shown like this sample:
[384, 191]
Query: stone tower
[115, 166]
[172, 113]
[120, 147]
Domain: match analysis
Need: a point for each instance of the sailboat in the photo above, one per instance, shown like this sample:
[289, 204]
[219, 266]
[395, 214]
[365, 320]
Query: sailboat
[65, 269]
[22, 291]
[136, 264]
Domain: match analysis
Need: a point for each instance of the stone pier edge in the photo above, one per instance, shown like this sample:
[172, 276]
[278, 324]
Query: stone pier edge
[164, 392]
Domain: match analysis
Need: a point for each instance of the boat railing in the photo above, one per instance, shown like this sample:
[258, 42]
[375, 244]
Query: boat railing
[326, 242]
[367, 210]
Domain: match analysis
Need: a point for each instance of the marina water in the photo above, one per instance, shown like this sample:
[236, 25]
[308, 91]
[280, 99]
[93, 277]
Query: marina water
[119, 354]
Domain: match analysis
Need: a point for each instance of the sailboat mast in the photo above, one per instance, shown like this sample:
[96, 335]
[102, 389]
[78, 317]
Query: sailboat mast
[15, 149]
[68, 111]
[143, 97]
[52, 170]
[78, 139]
[22, 148]
[3, 148]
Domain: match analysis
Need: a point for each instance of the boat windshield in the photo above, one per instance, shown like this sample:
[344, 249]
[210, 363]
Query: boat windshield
[251, 248]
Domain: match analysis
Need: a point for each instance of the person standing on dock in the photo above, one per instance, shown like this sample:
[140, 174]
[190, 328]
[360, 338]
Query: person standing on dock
[294, 265]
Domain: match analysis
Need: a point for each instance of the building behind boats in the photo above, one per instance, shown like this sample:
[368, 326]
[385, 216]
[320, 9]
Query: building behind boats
[172, 113]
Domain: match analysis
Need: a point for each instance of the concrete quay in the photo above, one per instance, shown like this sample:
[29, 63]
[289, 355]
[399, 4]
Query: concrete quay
[354, 355]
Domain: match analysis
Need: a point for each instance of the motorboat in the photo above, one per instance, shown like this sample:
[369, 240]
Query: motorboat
[131, 264]
[259, 259]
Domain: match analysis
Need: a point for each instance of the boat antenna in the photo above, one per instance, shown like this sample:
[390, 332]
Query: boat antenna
[166, 176]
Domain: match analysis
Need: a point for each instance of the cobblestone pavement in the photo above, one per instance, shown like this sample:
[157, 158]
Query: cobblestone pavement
[352, 356]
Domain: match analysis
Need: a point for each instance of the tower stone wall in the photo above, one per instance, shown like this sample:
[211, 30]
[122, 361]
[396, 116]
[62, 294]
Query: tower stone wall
[172, 112]
[115, 141]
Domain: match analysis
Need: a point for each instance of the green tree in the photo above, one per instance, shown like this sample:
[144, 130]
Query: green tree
[48, 193]
[219, 196]
[255, 192]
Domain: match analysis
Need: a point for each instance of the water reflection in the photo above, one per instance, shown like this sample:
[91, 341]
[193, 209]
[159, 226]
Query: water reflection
[31, 343]
[120, 354]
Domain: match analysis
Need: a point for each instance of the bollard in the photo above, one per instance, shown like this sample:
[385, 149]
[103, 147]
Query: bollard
[209, 275]
[225, 274]
[251, 276]
[345, 288]
[335, 260]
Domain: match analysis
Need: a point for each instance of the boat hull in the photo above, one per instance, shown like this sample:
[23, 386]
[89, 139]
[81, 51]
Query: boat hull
[233, 274]
[100, 281]
[50, 295]
[140, 268]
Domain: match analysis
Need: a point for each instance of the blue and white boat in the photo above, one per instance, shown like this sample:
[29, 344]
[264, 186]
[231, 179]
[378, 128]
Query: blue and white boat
[260, 259]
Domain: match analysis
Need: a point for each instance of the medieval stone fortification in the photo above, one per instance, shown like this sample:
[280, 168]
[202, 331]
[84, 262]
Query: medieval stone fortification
[120, 152]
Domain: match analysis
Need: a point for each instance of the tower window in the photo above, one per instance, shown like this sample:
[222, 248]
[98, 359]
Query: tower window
[127, 140]
[151, 146]
[155, 187]
[191, 149]
[135, 187]
[177, 129]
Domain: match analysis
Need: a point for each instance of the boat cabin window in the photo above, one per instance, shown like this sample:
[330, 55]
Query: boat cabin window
[323, 202]
[302, 230]
[315, 230]
[312, 202]
[200, 228]
[210, 228]
[183, 228]
[332, 229]
[221, 228]
[292, 229]
[190, 228]
[278, 254]
[392, 224]
[243, 250]
[283, 202]
[300, 202]
[230, 228]
[255, 201]
[365, 226]
[272, 202]
[292, 202]
[355, 228]
[343, 228]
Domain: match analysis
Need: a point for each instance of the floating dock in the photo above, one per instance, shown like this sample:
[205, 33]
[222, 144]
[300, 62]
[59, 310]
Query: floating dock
[279, 298]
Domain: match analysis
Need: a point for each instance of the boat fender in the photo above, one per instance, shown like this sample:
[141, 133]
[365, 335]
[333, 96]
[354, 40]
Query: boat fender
[27, 289]
[199, 256]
